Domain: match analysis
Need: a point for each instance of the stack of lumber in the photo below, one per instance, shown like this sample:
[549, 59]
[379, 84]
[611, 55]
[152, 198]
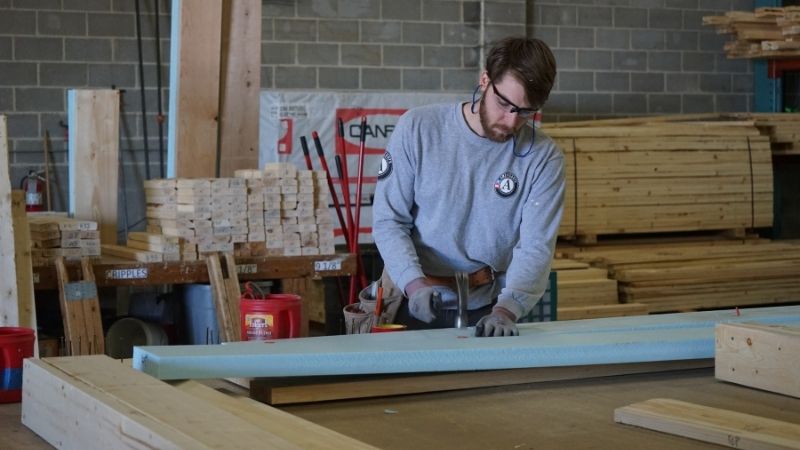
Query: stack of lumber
[783, 131]
[679, 276]
[297, 218]
[55, 235]
[278, 211]
[764, 33]
[586, 292]
[661, 176]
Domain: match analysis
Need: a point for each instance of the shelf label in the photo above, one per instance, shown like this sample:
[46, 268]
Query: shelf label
[326, 266]
[138, 273]
[247, 268]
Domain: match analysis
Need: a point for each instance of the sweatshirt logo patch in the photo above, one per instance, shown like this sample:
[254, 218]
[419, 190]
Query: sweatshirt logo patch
[386, 166]
[506, 184]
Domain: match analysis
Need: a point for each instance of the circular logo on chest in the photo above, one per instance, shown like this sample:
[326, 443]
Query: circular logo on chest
[386, 166]
[506, 184]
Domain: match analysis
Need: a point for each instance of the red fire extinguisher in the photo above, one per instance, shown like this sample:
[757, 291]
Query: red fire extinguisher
[33, 185]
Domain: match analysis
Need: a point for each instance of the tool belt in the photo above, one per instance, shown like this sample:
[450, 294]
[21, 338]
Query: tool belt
[480, 277]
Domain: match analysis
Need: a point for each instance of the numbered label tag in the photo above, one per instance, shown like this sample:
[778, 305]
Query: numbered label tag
[246, 268]
[327, 266]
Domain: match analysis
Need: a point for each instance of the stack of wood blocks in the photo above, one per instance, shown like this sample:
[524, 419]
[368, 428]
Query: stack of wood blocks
[681, 276]
[765, 33]
[586, 292]
[664, 177]
[783, 131]
[280, 211]
[296, 215]
[53, 236]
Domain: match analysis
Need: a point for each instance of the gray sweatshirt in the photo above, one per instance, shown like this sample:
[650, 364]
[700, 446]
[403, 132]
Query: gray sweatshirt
[448, 200]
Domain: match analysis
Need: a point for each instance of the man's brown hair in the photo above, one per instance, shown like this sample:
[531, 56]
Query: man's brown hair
[529, 60]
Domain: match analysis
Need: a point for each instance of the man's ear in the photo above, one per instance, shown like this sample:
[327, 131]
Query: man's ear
[483, 81]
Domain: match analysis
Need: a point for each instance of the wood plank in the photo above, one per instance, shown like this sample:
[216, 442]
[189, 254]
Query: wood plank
[94, 158]
[113, 406]
[240, 81]
[283, 391]
[194, 88]
[116, 271]
[664, 337]
[26, 307]
[9, 306]
[305, 434]
[718, 426]
[759, 356]
[586, 293]
[226, 294]
[80, 311]
[595, 311]
[131, 253]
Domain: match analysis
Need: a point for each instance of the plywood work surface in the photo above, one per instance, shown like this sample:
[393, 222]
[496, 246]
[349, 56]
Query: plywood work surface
[563, 414]
[557, 415]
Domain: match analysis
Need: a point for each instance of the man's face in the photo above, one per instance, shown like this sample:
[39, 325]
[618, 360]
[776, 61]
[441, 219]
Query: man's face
[499, 97]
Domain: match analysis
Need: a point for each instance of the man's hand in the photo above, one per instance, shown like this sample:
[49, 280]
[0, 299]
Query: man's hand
[424, 304]
[501, 322]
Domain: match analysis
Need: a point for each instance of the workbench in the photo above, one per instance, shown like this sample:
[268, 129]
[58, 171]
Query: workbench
[113, 271]
[301, 275]
[551, 415]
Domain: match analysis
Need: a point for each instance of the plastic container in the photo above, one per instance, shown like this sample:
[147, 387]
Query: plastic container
[16, 344]
[199, 315]
[128, 332]
[270, 316]
[388, 327]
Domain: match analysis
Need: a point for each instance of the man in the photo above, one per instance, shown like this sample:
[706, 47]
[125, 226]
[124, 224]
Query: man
[473, 188]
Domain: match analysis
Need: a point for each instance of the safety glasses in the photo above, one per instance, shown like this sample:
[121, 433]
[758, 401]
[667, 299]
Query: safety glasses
[504, 103]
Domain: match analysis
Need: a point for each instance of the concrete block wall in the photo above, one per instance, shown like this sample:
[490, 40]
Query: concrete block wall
[615, 58]
[629, 57]
[49, 46]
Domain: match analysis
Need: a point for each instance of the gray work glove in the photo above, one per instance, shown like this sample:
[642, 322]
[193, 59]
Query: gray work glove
[498, 323]
[424, 303]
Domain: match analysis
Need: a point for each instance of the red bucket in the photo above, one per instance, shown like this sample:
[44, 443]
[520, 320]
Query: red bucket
[16, 344]
[270, 316]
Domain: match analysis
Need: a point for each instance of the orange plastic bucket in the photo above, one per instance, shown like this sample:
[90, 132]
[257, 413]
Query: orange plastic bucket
[270, 316]
[16, 344]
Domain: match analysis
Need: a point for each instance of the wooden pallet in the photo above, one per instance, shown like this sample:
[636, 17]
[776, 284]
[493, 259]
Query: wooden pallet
[80, 310]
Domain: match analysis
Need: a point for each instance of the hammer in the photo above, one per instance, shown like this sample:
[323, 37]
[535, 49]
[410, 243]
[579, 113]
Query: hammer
[462, 288]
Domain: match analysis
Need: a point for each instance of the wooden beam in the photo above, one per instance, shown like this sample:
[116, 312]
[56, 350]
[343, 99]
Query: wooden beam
[110, 405]
[759, 356]
[80, 310]
[26, 308]
[298, 431]
[94, 158]
[614, 340]
[226, 293]
[283, 391]
[240, 85]
[194, 89]
[17, 306]
[9, 307]
[718, 426]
